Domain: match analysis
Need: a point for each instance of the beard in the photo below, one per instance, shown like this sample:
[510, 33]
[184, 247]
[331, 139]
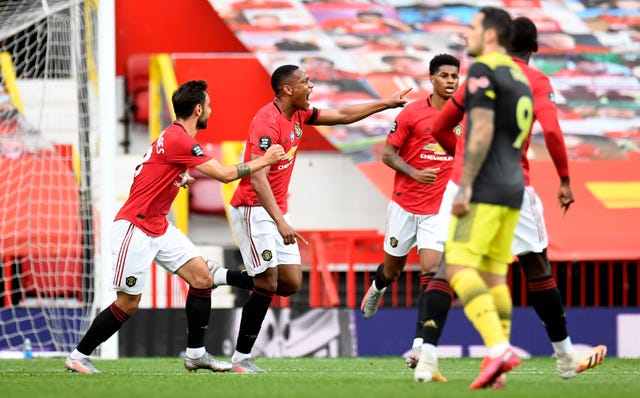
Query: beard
[201, 123]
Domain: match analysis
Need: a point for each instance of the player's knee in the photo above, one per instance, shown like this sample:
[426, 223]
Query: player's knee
[534, 265]
[391, 273]
[429, 268]
[286, 292]
[128, 303]
[266, 283]
[202, 280]
[288, 288]
[535, 272]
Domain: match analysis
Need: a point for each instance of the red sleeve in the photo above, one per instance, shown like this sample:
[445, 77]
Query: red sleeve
[184, 149]
[547, 114]
[263, 132]
[448, 118]
[401, 128]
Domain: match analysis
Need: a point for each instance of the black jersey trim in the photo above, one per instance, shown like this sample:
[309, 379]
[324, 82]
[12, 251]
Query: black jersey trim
[313, 117]
[452, 99]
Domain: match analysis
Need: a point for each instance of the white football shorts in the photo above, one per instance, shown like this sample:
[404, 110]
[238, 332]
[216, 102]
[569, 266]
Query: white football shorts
[260, 243]
[531, 233]
[133, 251]
[405, 230]
[445, 211]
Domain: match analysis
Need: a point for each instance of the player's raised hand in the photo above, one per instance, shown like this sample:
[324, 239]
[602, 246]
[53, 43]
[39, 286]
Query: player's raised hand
[274, 154]
[399, 98]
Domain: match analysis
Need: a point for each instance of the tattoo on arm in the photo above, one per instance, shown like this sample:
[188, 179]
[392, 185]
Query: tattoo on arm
[478, 143]
[243, 170]
[474, 158]
[401, 165]
[394, 161]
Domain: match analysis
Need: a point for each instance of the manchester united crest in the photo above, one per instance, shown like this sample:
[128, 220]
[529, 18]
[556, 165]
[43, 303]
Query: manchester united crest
[458, 130]
[267, 255]
[298, 130]
[393, 241]
[131, 281]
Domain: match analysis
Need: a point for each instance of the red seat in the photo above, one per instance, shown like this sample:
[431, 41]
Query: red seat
[205, 194]
[137, 81]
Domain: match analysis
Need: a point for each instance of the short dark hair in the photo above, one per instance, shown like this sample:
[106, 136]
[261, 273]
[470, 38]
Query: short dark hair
[499, 20]
[187, 96]
[281, 75]
[441, 60]
[524, 36]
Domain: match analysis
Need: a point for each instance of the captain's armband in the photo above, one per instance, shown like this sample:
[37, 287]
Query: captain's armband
[243, 170]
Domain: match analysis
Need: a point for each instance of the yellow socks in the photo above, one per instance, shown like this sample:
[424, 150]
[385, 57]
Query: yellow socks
[479, 306]
[502, 300]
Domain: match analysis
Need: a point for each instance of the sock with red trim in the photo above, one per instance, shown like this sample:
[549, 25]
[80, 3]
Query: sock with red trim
[425, 278]
[379, 281]
[198, 308]
[438, 299]
[253, 314]
[547, 302]
[109, 321]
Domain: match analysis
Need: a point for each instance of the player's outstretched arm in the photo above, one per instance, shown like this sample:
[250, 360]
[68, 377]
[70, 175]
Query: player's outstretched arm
[352, 113]
[443, 125]
[226, 174]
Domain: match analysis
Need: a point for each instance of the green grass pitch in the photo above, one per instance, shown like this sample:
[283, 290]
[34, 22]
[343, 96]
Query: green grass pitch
[369, 377]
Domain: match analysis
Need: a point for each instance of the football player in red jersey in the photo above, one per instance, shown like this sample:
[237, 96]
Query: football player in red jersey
[422, 170]
[530, 243]
[259, 208]
[141, 233]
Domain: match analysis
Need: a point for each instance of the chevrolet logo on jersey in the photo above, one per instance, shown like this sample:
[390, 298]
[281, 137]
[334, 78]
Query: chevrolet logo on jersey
[291, 152]
[435, 148]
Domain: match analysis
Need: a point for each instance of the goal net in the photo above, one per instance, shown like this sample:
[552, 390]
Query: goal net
[47, 140]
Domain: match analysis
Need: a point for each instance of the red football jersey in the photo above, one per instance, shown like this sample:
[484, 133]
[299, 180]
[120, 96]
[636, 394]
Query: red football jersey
[411, 134]
[457, 103]
[157, 179]
[544, 110]
[270, 126]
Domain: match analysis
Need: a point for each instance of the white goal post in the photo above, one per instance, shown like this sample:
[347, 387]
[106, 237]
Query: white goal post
[51, 154]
